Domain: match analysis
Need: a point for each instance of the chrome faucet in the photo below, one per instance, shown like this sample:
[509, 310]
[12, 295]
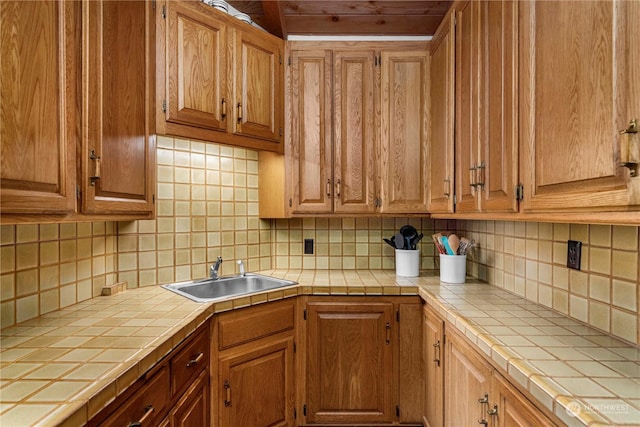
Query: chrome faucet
[213, 270]
[241, 267]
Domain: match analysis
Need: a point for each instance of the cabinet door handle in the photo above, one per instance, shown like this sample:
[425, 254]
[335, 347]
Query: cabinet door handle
[97, 162]
[633, 127]
[227, 389]
[436, 353]
[328, 188]
[472, 176]
[447, 192]
[483, 422]
[239, 112]
[338, 189]
[195, 360]
[388, 331]
[493, 411]
[484, 399]
[223, 113]
[148, 411]
[480, 175]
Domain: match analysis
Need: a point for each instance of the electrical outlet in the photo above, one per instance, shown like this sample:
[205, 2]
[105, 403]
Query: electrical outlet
[574, 253]
[308, 246]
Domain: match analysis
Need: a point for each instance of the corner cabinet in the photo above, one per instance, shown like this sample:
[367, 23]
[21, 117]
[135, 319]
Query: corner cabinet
[573, 156]
[40, 46]
[219, 79]
[363, 360]
[118, 103]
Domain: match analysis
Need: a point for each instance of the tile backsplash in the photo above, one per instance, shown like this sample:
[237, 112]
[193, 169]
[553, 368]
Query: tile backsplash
[529, 259]
[207, 206]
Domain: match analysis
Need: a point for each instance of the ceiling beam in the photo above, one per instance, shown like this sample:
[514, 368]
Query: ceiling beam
[273, 18]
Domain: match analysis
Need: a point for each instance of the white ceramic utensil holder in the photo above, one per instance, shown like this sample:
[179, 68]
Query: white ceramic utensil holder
[453, 268]
[407, 263]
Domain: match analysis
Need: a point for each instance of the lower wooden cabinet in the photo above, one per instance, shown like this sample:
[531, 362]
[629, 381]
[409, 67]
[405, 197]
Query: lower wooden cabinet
[193, 409]
[353, 355]
[433, 329]
[514, 410]
[255, 366]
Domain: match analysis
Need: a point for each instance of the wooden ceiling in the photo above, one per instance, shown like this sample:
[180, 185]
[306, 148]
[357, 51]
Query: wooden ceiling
[344, 17]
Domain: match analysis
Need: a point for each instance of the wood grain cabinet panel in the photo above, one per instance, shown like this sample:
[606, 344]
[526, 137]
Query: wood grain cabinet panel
[441, 137]
[118, 143]
[403, 141]
[514, 410]
[258, 86]
[576, 94]
[433, 329]
[349, 362]
[39, 115]
[197, 69]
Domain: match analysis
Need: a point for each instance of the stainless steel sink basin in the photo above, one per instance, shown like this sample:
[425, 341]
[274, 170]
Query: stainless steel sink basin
[208, 290]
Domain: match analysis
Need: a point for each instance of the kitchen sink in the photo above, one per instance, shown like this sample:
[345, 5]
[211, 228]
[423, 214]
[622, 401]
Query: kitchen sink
[208, 290]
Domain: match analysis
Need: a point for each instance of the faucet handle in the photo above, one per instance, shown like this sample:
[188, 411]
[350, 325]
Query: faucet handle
[241, 267]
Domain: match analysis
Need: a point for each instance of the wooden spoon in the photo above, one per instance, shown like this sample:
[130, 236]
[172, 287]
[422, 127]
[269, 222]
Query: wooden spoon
[454, 242]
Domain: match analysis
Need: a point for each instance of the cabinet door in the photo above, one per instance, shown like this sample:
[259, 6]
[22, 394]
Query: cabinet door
[467, 138]
[514, 410]
[196, 83]
[404, 110]
[118, 147]
[39, 126]
[349, 375]
[311, 140]
[497, 175]
[256, 382]
[354, 137]
[441, 115]
[575, 93]
[411, 363]
[434, 368]
[468, 380]
[258, 85]
[193, 409]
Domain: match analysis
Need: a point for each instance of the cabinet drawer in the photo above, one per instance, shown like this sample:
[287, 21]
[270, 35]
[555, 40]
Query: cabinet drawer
[190, 361]
[147, 405]
[255, 322]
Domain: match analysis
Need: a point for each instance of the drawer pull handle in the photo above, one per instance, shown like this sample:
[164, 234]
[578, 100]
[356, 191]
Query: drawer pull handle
[195, 360]
[223, 113]
[436, 351]
[388, 330]
[148, 412]
[227, 388]
[239, 112]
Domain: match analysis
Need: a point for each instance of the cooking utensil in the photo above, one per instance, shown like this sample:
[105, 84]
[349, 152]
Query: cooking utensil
[399, 241]
[436, 239]
[389, 242]
[415, 240]
[409, 233]
[454, 242]
[445, 243]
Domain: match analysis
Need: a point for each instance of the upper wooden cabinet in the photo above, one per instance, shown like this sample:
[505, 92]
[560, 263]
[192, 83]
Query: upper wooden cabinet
[577, 93]
[196, 80]
[258, 85]
[88, 93]
[118, 141]
[219, 79]
[441, 115]
[486, 161]
[332, 171]
[39, 122]
[403, 143]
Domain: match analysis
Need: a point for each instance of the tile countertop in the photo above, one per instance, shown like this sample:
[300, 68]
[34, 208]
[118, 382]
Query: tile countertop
[63, 367]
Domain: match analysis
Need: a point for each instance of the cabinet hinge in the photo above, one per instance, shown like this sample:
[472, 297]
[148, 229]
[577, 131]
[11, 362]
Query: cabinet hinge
[289, 60]
[519, 192]
[280, 58]
[398, 411]
[164, 11]
[280, 131]
[153, 199]
[295, 414]
[454, 200]
[304, 410]
[304, 314]
[164, 105]
[290, 202]
[77, 192]
[295, 347]
[397, 315]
